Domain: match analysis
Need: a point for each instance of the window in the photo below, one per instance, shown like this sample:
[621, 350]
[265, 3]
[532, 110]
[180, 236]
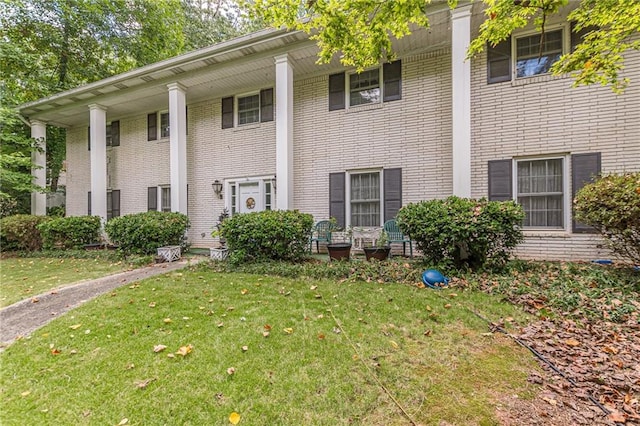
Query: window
[268, 199]
[157, 120]
[113, 203]
[112, 133]
[532, 58]
[365, 198]
[382, 84]
[364, 88]
[540, 191]
[164, 124]
[249, 108]
[165, 198]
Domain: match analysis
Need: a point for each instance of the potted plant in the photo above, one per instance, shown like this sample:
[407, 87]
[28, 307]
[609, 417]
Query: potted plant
[221, 252]
[381, 250]
[340, 250]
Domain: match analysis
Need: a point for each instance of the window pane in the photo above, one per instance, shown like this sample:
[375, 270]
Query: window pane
[249, 109]
[364, 88]
[233, 199]
[164, 125]
[166, 199]
[365, 199]
[540, 192]
[534, 60]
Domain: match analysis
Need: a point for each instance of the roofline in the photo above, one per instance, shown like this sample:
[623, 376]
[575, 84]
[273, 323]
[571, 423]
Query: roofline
[225, 46]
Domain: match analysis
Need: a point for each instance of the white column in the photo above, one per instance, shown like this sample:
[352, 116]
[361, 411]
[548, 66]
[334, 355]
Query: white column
[284, 132]
[39, 171]
[461, 100]
[178, 147]
[98, 160]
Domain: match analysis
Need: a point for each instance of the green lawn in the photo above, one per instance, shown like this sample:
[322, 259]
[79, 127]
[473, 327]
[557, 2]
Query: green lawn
[331, 350]
[25, 277]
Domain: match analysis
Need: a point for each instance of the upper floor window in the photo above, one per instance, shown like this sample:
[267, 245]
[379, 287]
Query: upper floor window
[157, 120]
[373, 86]
[247, 109]
[536, 54]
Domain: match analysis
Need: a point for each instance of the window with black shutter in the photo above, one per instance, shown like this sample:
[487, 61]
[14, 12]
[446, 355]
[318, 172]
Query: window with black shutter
[499, 62]
[227, 112]
[392, 188]
[89, 203]
[392, 75]
[266, 105]
[336, 91]
[500, 180]
[337, 206]
[584, 169]
[152, 126]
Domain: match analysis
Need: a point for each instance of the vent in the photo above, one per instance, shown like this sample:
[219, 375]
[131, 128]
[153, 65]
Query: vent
[248, 51]
[96, 92]
[147, 78]
[177, 70]
[121, 86]
[211, 61]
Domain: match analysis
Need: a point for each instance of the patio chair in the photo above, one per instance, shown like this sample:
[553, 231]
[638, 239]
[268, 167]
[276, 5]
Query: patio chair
[321, 232]
[395, 235]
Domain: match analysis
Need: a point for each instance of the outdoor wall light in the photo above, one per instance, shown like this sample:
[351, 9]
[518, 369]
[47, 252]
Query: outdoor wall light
[217, 188]
[274, 181]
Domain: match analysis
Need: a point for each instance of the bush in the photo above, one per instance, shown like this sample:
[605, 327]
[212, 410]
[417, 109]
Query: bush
[612, 206]
[267, 235]
[458, 231]
[71, 232]
[143, 233]
[20, 232]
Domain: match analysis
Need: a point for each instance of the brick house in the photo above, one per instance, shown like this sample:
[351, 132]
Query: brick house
[254, 123]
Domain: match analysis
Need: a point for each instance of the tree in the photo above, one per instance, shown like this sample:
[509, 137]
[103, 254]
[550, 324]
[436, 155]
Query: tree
[360, 31]
[53, 45]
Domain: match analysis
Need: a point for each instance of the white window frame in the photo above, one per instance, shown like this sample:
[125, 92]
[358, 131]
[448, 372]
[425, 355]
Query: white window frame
[566, 197]
[232, 187]
[349, 173]
[566, 46]
[347, 91]
[236, 109]
[160, 114]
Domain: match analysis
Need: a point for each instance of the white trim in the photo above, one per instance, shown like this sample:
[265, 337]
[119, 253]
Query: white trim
[566, 198]
[347, 89]
[347, 190]
[566, 46]
[236, 115]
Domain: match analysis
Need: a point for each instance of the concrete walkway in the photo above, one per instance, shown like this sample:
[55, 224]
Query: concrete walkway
[24, 317]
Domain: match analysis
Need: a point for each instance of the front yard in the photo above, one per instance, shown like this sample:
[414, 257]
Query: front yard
[358, 344]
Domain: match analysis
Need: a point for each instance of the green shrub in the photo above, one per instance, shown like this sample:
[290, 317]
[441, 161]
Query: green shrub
[71, 232]
[612, 206]
[459, 231]
[20, 232]
[267, 235]
[143, 233]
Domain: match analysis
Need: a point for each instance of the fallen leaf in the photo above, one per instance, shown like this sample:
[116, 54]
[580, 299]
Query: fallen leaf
[550, 401]
[313, 287]
[572, 342]
[55, 351]
[123, 422]
[159, 348]
[245, 348]
[231, 371]
[394, 344]
[220, 324]
[265, 334]
[167, 320]
[141, 384]
[321, 336]
[234, 418]
[75, 327]
[244, 291]
[610, 350]
[447, 306]
[35, 300]
[171, 356]
[73, 352]
[267, 327]
[25, 393]
[452, 295]
[288, 330]
[152, 304]
[617, 417]
[427, 333]
[185, 350]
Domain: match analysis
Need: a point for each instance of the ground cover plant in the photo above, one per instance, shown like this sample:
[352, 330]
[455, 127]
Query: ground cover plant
[194, 347]
[25, 277]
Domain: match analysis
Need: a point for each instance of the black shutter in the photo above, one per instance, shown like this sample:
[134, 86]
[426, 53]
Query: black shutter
[89, 137]
[152, 198]
[336, 92]
[152, 126]
[227, 112]
[392, 193]
[115, 133]
[499, 62]
[584, 169]
[115, 203]
[392, 75]
[89, 204]
[337, 206]
[500, 180]
[266, 105]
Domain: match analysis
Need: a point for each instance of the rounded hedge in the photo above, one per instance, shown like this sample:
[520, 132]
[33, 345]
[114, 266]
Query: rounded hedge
[267, 235]
[143, 233]
[71, 232]
[20, 232]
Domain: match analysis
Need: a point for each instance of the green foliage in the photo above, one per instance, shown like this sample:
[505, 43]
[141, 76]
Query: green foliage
[361, 32]
[20, 232]
[143, 233]
[267, 235]
[71, 232]
[459, 231]
[612, 206]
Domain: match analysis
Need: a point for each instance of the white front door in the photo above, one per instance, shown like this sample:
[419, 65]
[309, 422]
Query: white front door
[250, 199]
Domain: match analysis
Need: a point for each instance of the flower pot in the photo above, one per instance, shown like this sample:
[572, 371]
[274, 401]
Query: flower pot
[339, 251]
[379, 253]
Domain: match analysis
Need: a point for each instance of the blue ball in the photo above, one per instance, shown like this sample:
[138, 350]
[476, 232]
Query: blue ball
[434, 279]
